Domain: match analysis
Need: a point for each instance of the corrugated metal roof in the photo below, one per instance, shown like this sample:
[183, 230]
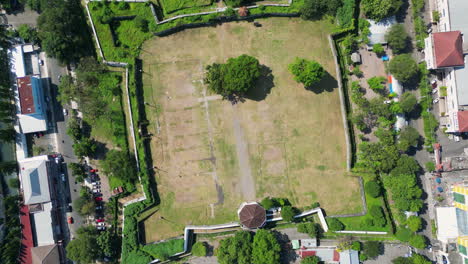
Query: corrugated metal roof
[461, 80]
[458, 18]
[34, 180]
[447, 227]
[43, 226]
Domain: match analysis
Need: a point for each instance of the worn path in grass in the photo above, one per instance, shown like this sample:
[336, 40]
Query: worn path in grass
[246, 179]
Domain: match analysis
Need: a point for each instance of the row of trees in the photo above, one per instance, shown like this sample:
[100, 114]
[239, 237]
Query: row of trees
[245, 248]
[237, 76]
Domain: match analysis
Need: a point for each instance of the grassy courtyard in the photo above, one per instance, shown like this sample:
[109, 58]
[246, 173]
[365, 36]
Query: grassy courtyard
[282, 141]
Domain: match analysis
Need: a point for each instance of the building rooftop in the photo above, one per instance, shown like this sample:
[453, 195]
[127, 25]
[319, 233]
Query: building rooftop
[252, 215]
[29, 97]
[448, 49]
[447, 227]
[462, 117]
[34, 179]
[325, 254]
[26, 236]
[461, 80]
[457, 12]
[379, 29]
[26, 95]
[45, 255]
[43, 226]
[349, 257]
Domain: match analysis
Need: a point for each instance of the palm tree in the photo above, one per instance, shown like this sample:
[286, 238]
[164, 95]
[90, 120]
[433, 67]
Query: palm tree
[8, 134]
[8, 167]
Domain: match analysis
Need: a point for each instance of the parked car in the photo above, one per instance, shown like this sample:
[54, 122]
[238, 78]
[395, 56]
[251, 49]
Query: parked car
[63, 177]
[98, 199]
[65, 112]
[70, 220]
[100, 220]
[101, 224]
[99, 207]
[69, 208]
[97, 191]
[41, 62]
[101, 228]
[96, 183]
[93, 170]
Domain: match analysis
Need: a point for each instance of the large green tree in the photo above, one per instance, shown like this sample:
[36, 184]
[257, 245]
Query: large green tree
[63, 31]
[233, 78]
[83, 248]
[403, 67]
[408, 102]
[414, 223]
[372, 249]
[119, 164]
[310, 260]
[409, 137]
[397, 38]
[266, 248]
[236, 249]
[315, 9]
[380, 9]
[308, 72]
[377, 157]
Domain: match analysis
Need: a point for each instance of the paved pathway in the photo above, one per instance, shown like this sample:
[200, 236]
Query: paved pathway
[247, 182]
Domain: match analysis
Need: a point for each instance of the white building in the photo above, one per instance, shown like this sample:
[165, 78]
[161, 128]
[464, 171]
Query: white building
[445, 51]
[36, 190]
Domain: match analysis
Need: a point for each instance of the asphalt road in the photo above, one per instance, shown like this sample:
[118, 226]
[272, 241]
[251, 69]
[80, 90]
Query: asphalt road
[27, 16]
[64, 142]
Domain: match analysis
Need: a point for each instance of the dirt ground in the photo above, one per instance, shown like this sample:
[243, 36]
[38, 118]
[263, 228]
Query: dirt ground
[282, 141]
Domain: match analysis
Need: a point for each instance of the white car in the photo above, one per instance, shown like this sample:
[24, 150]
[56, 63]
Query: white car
[65, 112]
[101, 224]
[63, 177]
[96, 190]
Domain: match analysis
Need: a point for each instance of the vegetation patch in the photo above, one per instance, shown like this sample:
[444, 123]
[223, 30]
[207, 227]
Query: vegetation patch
[166, 249]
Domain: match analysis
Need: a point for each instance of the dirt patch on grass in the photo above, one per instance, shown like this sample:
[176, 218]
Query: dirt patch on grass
[294, 137]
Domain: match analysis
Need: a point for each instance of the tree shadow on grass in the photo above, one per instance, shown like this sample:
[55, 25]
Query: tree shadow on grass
[327, 84]
[262, 86]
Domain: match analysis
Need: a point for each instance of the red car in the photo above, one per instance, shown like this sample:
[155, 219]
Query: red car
[94, 170]
[100, 220]
[70, 220]
[98, 199]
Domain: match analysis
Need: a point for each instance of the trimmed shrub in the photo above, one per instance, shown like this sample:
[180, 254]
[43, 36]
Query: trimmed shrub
[199, 249]
[403, 234]
[334, 224]
[373, 188]
[288, 212]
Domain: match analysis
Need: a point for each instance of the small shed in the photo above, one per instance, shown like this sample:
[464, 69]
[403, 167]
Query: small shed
[295, 244]
[356, 58]
[252, 215]
[243, 11]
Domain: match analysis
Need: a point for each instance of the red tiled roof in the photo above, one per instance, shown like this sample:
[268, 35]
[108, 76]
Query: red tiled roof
[26, 236]
[336, 256]
[462, 121]
[303, 253]
[252, 215]
[448, 49]
[243, 11]
[26, 95]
